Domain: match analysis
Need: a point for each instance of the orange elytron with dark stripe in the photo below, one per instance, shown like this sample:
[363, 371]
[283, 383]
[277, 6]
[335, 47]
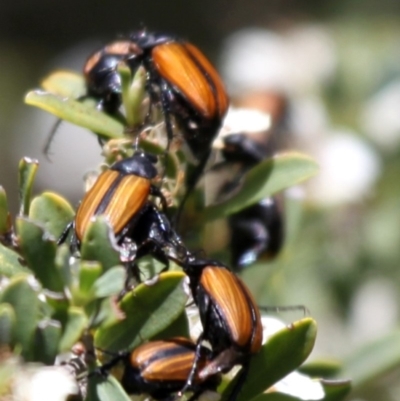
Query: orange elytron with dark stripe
[120, 193]
[239, 310]
[186, 68]
[127, 195]
[166, 360]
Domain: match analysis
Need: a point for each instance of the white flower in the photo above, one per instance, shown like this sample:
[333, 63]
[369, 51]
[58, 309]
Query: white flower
[349, 168]
[299, 386]
[380, 118]
[53, 383]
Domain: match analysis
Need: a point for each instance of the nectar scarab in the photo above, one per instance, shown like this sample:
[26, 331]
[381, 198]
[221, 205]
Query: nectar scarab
[121, 193]
[258, 230]
[230, 317]
[161, 368]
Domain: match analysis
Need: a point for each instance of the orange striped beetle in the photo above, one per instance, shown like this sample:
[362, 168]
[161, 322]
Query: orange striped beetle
[230, 317]
[160, 368]
[257, 230]
[122, 195]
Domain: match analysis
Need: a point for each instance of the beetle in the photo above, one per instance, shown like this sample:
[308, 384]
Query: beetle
[179, 77]
[121, 193]
[257, 230]
[230, 317]
[161, 368]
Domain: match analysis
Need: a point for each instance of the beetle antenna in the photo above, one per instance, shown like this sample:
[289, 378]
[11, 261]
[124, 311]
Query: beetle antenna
[193, 371]
[288, 308]
[50, 138]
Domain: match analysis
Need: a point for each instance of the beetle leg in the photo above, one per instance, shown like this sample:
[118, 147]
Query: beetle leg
[65, 233]
[193, 371]
[49, 141]
[167, 113]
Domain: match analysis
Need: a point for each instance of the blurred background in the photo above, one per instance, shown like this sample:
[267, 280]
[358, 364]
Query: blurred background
[336, 68]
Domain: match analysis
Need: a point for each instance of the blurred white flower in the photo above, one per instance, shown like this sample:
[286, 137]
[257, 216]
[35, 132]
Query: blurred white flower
[313, 54]
[256, 59]
[299, 386]
[378, 296]
[246, 120]
[349, 168]
[380, 119]
[243, 120]
[53, 383]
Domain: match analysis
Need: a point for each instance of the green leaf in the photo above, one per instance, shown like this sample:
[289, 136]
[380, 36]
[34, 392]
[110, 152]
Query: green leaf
[148, 310]
[10, 262]
[110, 283]
[53, 211]
[373, 360]
[63, 264]
[284, 352]
[178, 328]
[74, 328]
[96, 244]
[267, 178]
[24, 299]
[336, 390]
[100, 389]
[89, 272]
[4, 213]
[76, 112]
[65, 83]
[322, 368]
[45, 341]
[26, 174]
[39, 251]
[7, 324]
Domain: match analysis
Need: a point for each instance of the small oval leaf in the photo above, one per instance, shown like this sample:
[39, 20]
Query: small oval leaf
[10, 262]
[53, 211]
[39, 251]
[74, 328]
[24, 299]
[284, 352]
[267, 178]
[97, 244]
[65, 83]
[45, 341]
[76, 112]
[26, 174]
[4, 213]
[148, 310]
[110, 283]
[100, 389]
